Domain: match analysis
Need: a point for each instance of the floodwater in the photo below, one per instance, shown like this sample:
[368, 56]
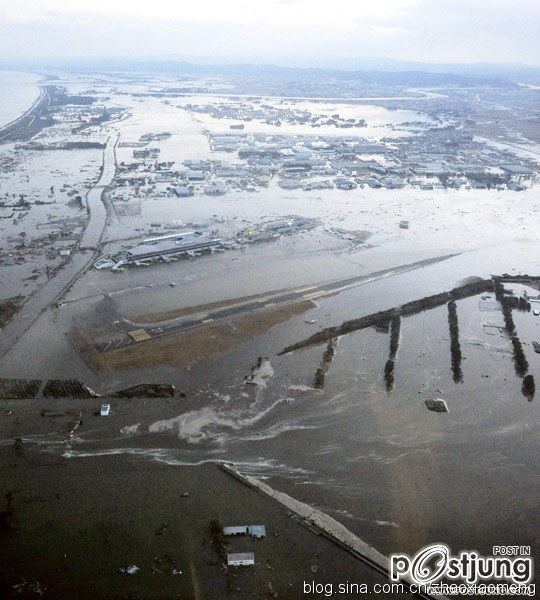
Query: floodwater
[389, 469]
[17, 93]
[395, 473]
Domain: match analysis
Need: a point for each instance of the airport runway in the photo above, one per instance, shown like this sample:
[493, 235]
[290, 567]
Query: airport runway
[139, 332]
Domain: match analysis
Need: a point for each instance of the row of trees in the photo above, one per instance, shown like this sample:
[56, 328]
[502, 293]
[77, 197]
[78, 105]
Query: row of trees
[455, 346]
[395, 331]
[328, 357]
[521, 365]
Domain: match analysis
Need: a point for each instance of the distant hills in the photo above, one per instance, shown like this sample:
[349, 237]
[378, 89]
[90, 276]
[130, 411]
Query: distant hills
[369, 71]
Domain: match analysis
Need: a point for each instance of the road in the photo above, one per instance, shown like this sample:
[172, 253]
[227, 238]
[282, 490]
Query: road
[80, 260]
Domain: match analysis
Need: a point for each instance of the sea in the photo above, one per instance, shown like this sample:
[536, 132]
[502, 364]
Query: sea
[17, 92]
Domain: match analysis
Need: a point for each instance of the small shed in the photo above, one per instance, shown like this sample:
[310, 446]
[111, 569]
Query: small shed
[257, 531]
[241, 559]
[235, 530]
[105, 410]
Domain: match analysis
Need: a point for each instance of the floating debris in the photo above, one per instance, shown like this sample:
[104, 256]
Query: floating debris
[437, 405]
[130, 429]
[129, 570]
[260, 373]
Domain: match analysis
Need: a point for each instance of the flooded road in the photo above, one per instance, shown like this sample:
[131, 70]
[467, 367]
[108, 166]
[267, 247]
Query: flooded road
[78, 262]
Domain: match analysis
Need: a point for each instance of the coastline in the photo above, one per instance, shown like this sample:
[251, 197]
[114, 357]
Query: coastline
[27, 118]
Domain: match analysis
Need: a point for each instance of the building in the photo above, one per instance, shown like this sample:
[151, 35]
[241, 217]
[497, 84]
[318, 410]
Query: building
[257, 531]
[215, 188]
[183, 191]
[105, 410]
[342, 183]
[194, 175]
[235, 530]
[241, 559]
[188, 243]
[290, 184]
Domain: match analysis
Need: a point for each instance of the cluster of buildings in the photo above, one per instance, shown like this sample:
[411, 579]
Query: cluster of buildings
[441, 157]
[437, 157]
[243, 559]
[165, 248]
[272, 114]
[194, 242]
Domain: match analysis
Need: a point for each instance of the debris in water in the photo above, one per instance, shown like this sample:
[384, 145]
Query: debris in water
[33, 588]
[129, 570]
[382, 523]
[130, 429]
[437, 405]
[260, 373]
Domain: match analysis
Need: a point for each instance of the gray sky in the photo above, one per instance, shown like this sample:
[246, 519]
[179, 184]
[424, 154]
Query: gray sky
[255, 30]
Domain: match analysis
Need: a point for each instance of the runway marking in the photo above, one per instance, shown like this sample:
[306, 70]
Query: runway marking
[306, 289]
[315, 294]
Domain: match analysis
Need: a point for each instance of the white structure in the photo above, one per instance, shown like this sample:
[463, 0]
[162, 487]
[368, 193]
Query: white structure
[215, 188]
[257, 531]
[235, 530]
[105, 410]
[241, 559]
[194, 175]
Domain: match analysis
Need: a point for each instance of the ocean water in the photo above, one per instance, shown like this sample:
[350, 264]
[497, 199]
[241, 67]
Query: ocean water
[17, 92]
